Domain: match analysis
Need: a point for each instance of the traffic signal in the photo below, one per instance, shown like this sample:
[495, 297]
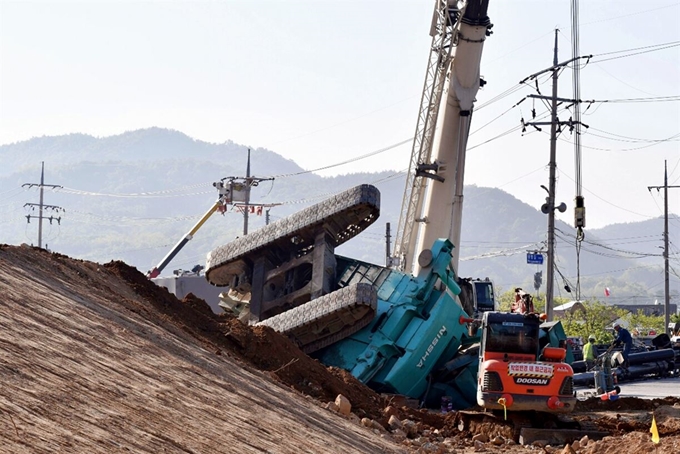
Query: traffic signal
[538, 279]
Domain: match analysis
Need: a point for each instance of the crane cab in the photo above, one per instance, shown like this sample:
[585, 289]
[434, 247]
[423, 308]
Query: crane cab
[477, 296]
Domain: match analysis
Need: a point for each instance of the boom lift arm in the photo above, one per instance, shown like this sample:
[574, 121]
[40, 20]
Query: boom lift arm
[156, 271]
[229, 190]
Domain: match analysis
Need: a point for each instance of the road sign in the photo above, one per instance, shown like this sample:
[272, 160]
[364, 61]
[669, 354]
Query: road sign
[534, 258]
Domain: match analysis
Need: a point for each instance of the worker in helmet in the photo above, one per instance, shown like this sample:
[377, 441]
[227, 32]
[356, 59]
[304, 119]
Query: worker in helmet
[624, 338]
[590, 352]
[524, 303]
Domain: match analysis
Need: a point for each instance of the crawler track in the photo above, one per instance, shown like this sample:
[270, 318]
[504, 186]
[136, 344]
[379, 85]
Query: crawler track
[517, 424]
[327, 319]
[289, 269]
[342, 217]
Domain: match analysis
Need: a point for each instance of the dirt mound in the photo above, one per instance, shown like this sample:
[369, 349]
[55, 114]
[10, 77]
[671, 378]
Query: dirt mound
[90, 287]
[263, 348]
[259, 347]
[95, 358]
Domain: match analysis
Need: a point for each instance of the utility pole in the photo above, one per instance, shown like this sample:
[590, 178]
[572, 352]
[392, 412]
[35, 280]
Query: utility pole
[551, 192]
[667, 297]
[237, 193]
[549, 207]
[249, 184]
[42, 206]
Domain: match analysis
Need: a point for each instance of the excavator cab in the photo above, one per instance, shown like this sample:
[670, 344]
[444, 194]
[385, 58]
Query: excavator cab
[521, 366]
[507, 338]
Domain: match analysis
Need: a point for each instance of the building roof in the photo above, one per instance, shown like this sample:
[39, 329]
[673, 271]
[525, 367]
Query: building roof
[570, 307]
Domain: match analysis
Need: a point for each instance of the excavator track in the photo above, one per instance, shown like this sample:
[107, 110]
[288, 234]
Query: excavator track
[327, 319]
[525, 426]
[341, 217]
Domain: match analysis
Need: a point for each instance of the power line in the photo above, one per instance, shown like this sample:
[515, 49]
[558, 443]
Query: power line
[649, 49]
[156, 194]
[501, 253]
[618, 138]
[671, 98]
[567, 237]
[358, 158]
[645, 11]
[653, 46]
[669, 139]
[608, 202]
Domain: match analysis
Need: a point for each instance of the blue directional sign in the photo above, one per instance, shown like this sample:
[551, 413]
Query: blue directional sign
[534, 258]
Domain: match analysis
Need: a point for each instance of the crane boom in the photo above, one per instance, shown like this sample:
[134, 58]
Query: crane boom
[443, 127]
[435, 76]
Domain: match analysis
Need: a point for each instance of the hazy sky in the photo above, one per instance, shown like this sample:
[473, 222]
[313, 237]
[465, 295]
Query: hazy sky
[324, 81]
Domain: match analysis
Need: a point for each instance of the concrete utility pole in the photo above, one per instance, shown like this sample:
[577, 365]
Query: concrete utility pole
[41, 206]
[667, 297]
[249, 184]
[549, 207]
[552, 181]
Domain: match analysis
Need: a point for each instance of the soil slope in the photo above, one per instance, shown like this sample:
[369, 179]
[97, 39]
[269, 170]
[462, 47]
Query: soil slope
[96, 358]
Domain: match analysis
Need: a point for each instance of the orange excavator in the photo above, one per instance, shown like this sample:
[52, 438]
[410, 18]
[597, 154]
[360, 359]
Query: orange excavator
[519, 366]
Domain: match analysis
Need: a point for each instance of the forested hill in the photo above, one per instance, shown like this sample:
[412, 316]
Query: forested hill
[145, 145]
[131, 197]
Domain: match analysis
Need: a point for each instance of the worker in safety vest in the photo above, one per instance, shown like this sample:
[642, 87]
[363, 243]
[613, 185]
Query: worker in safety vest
[590, 352]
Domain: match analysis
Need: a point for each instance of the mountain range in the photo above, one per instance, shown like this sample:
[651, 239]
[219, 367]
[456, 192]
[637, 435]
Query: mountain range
[132, 196]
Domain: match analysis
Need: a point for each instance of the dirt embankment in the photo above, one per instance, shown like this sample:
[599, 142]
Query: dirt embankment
[96, 358]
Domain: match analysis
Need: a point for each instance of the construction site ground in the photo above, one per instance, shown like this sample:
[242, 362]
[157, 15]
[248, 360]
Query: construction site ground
[95, 358]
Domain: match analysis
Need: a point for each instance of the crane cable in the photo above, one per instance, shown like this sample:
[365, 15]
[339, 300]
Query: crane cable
[579, 215]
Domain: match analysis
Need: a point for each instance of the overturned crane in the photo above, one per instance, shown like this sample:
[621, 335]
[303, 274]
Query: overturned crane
[392, 330]
[408, 329]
